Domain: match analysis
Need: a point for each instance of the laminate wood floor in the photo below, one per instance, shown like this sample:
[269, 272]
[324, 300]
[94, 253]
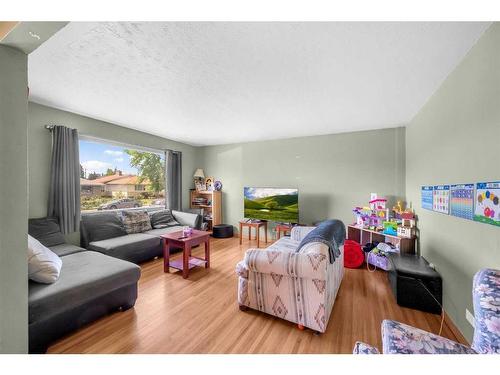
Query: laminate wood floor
[201, 315]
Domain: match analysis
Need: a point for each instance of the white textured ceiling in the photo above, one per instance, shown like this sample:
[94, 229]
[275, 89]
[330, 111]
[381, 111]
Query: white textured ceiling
[215, 83]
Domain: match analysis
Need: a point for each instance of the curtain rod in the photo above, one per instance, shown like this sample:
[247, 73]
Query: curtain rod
[104, 140]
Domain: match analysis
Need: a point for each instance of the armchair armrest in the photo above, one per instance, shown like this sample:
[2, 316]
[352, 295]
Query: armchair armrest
[311, 262]
[298, 233]
[187, 218]
[362, 348]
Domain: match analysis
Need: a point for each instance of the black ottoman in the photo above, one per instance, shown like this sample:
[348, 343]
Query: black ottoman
[415, 284]
[222, 231]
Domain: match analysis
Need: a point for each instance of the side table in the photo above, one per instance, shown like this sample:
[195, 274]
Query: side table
[253, 224]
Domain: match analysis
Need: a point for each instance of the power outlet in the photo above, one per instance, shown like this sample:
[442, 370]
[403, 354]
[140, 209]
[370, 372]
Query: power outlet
[470, 318]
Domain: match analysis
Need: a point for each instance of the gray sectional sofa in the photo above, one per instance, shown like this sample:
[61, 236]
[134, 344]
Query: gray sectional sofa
[94, 281]
[103, 232]
[90, 286]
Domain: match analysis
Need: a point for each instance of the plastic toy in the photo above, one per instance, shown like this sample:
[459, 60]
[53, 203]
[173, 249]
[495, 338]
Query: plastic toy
[406, 232]
[378, 204]
[390, 228]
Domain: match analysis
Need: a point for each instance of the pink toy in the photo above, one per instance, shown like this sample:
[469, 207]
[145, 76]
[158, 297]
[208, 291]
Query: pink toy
[378, 204]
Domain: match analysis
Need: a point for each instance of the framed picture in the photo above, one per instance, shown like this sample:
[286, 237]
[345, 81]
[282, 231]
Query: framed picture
[209, 183]
[200, 185]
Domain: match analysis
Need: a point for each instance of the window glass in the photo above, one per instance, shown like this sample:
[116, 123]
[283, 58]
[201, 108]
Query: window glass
[120, 177]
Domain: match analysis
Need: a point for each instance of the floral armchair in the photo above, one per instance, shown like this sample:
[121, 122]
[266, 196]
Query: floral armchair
[399, 338]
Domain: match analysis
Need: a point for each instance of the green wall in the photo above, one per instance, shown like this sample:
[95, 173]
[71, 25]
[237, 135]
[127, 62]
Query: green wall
[455, 138]
[39, 141]
[13, 202]
[332, 172]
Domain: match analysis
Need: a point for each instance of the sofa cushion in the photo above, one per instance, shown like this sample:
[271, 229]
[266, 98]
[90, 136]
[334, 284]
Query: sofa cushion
[43, 265]
[103, 226]
[84, 276]
[136, 221]
[46, 230]
[128, 247]
[66, 249]
[163, 219]
[160, 231]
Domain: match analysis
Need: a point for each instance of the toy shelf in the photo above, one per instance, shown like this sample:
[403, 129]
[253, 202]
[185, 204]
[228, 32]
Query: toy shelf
[364, 236]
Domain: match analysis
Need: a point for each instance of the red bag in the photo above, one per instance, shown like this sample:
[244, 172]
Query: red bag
[353, 254]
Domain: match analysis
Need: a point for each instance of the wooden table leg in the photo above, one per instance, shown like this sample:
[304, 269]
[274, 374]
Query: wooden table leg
[257, 231]
[265, 228]
[241, 232]
[166, 255]
[185, 261]
[207, 253]
[249, 232]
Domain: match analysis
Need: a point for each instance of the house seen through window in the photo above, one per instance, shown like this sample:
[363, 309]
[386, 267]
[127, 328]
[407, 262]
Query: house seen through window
[117, 177]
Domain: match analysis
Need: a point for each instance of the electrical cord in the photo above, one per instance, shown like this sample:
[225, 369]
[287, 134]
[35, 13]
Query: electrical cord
[425, 287]
[441, 306]
[421, 283]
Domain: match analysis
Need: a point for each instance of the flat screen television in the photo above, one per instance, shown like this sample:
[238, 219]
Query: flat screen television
[273, 204]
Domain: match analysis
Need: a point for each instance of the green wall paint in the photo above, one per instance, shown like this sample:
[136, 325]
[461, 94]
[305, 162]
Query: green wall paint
[455, 139]
[332, 172]
[39, 141]
[13, 202]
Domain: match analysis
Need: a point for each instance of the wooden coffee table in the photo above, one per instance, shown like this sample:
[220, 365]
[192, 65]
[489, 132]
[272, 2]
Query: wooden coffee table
[177, 240]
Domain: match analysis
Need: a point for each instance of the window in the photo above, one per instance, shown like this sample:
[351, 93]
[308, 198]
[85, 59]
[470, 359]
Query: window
[118, 176]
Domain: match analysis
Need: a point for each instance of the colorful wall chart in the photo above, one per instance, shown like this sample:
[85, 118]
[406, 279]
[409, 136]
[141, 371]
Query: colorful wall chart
[427, 197]
[462, 201]
[441, 199]
[487, 203]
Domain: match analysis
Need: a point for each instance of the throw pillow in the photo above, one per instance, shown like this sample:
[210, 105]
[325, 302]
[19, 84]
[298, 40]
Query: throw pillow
[136, 221]
[163, 219]
[102, 226]
[43, 265]
[46, 230]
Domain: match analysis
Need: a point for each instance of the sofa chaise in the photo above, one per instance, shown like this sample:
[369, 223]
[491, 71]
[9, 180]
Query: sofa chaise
[103, 232]
[300, 287]
[90, 286]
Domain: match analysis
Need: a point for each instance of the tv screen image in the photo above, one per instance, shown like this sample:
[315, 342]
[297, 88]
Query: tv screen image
[274, 204]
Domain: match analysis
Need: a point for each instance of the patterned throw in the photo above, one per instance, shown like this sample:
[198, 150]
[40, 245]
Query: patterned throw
[329, 232]
[136, 221]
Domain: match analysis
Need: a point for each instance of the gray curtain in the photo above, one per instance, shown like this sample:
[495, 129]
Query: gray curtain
[173, 175]
[64, 193]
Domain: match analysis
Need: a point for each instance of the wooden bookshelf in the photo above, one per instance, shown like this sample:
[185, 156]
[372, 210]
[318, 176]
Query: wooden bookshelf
[212, 207]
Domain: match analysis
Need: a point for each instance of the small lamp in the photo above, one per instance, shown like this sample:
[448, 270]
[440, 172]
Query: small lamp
[199, 177]
[199, 173]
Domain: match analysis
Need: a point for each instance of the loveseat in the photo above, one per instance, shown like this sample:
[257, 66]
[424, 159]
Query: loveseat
[90, 285]
[300, 287]
[104, 232]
